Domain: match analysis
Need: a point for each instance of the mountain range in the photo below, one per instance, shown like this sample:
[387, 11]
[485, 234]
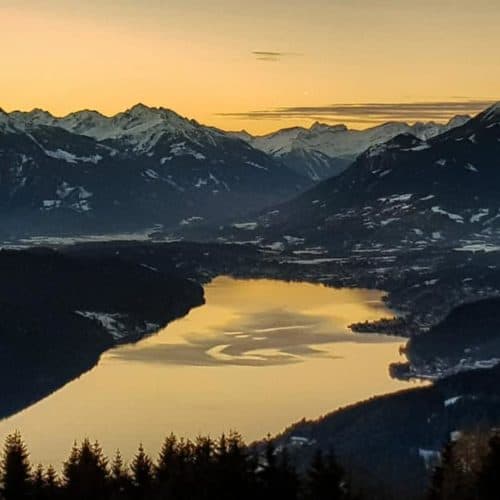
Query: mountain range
[148, 167]
[405, 193]
[139, 168]
[323, 151]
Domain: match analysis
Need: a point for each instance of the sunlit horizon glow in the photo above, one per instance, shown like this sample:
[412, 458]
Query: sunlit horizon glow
[260, 66]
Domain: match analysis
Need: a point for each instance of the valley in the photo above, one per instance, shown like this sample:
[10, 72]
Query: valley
[206, 372]
[424, 299]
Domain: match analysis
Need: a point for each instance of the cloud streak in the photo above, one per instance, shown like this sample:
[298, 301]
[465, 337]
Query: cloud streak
[369, 112]
[270, 56]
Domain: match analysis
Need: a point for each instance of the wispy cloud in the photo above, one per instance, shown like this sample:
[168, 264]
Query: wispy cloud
[269, 56]
[369, 112]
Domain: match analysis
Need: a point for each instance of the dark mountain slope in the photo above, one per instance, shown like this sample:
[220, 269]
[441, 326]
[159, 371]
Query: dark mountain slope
[469, 337]
[60, 313]
[406, 193]
[392, 442]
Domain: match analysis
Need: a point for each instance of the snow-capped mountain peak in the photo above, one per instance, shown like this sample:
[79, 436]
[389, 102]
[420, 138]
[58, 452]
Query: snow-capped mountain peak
[145, 114]
[27, 119]
[139, 126]
[86, 122]
[141, 110]
[277, 143]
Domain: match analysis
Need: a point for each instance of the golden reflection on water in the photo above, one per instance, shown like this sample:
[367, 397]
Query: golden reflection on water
[258, 356]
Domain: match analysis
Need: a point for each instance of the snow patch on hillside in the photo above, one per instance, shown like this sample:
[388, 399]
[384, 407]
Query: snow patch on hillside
[68, 157]
[454, 217]
[113, 323]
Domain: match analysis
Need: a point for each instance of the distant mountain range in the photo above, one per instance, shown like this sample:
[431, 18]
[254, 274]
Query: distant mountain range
[139, 168]
[405, 193]
[323, 151]
[150, 167]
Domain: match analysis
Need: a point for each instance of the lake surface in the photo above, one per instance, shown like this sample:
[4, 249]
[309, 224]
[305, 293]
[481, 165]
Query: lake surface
[260, 355]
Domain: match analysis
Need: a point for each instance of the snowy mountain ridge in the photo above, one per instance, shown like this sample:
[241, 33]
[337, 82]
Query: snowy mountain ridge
[340, 141]
[139, 127]
[139, 168]
[323, 150]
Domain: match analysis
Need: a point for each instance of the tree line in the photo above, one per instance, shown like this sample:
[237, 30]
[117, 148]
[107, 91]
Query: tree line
[203, 469]
[226, 468]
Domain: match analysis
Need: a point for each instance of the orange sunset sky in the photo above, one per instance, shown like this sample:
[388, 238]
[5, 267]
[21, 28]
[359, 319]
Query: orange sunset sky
[258, 65]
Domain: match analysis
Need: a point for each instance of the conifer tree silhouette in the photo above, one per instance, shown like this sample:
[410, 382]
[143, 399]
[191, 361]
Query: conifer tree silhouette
[38, 483]
[142, 474]
[86, 473]
[324, 478]
[52, 485]
[119, 478]
[489, 476]
[15, 469]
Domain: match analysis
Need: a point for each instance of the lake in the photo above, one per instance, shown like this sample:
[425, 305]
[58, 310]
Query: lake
[260, 355]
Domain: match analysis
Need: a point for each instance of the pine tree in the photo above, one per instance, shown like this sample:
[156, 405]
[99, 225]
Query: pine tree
[167, 460]
[15, 469]
[51, 483]
[324, 478]
[288, 479]
[269, 474]
[438, 476]
[38, 483]
[142, 474]
[70, 469]
[118, 470]
[85, 472]
[45, 485]
[120, 480]
[221, 446]
[203, 469]
[488, 484]
[235, 472]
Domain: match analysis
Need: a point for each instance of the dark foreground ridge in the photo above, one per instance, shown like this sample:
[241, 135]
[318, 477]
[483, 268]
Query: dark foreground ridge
[222, 469]
[227, 468]
[60, 313]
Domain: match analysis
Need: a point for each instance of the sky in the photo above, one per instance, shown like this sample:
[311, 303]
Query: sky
[257, 65]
